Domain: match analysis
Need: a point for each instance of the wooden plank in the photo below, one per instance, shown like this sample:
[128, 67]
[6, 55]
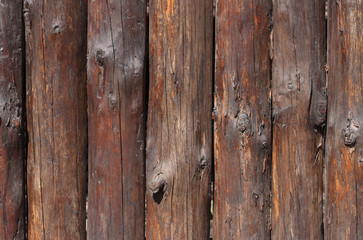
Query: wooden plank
[299, 107]
[12, 154]
[344, 157]
[242, 140]
[56, 118]
[116, 130]
[179, 126]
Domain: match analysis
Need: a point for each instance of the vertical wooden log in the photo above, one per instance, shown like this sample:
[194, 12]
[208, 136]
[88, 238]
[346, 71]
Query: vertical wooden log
[179, 130]
[56, 118]
[344, 158]
[299, 112]
[242, 120]
[12, 154]
[116, 133]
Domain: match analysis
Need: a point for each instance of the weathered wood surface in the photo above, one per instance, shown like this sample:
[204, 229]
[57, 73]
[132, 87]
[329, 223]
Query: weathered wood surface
[242, 117]
[116, 130]
[344, 147]
[299, 112]
[179, 129]
[12, 154]
[56, 34]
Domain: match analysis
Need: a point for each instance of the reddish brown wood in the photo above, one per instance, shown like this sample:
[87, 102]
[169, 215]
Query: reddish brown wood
[242, 120]
[299, 109]
[344, 157]
[179, 126]
[116, 130]
[56, 118]
[12, 154]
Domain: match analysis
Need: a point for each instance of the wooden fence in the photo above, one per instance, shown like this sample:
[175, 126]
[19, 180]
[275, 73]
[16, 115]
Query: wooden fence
[181, 119]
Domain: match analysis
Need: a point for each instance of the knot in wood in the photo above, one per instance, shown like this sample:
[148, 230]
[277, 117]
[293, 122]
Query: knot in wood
[360, 157]
[157, 185]
[290, 86]
[317, 112]
[202, 164]
[56, 27]
[100, 57]
[243, 123]
[26, 5]
[350, 133]
[321, 112]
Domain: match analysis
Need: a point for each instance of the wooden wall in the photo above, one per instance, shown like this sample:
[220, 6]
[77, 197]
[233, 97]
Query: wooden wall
[189, 119]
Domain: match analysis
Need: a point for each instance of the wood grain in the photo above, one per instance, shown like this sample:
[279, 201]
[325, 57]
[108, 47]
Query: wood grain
[12, 109]
[179, 126]
[299, 115]
[242, 117]
[116, 130]
[56, 118]
[344, 155]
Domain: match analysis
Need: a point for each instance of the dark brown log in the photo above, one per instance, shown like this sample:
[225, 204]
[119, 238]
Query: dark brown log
[242, 120]
[56, 118]
[116, 132]
[179, 130]
[344, 158]
[299, 111]
[12, 154]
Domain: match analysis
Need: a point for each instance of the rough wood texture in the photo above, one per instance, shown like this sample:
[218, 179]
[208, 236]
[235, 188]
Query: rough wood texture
[242, 117]
[179, 129]
[344, 158]
[299, 112]
[116, 132]
[56, 118]
[12, 154]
